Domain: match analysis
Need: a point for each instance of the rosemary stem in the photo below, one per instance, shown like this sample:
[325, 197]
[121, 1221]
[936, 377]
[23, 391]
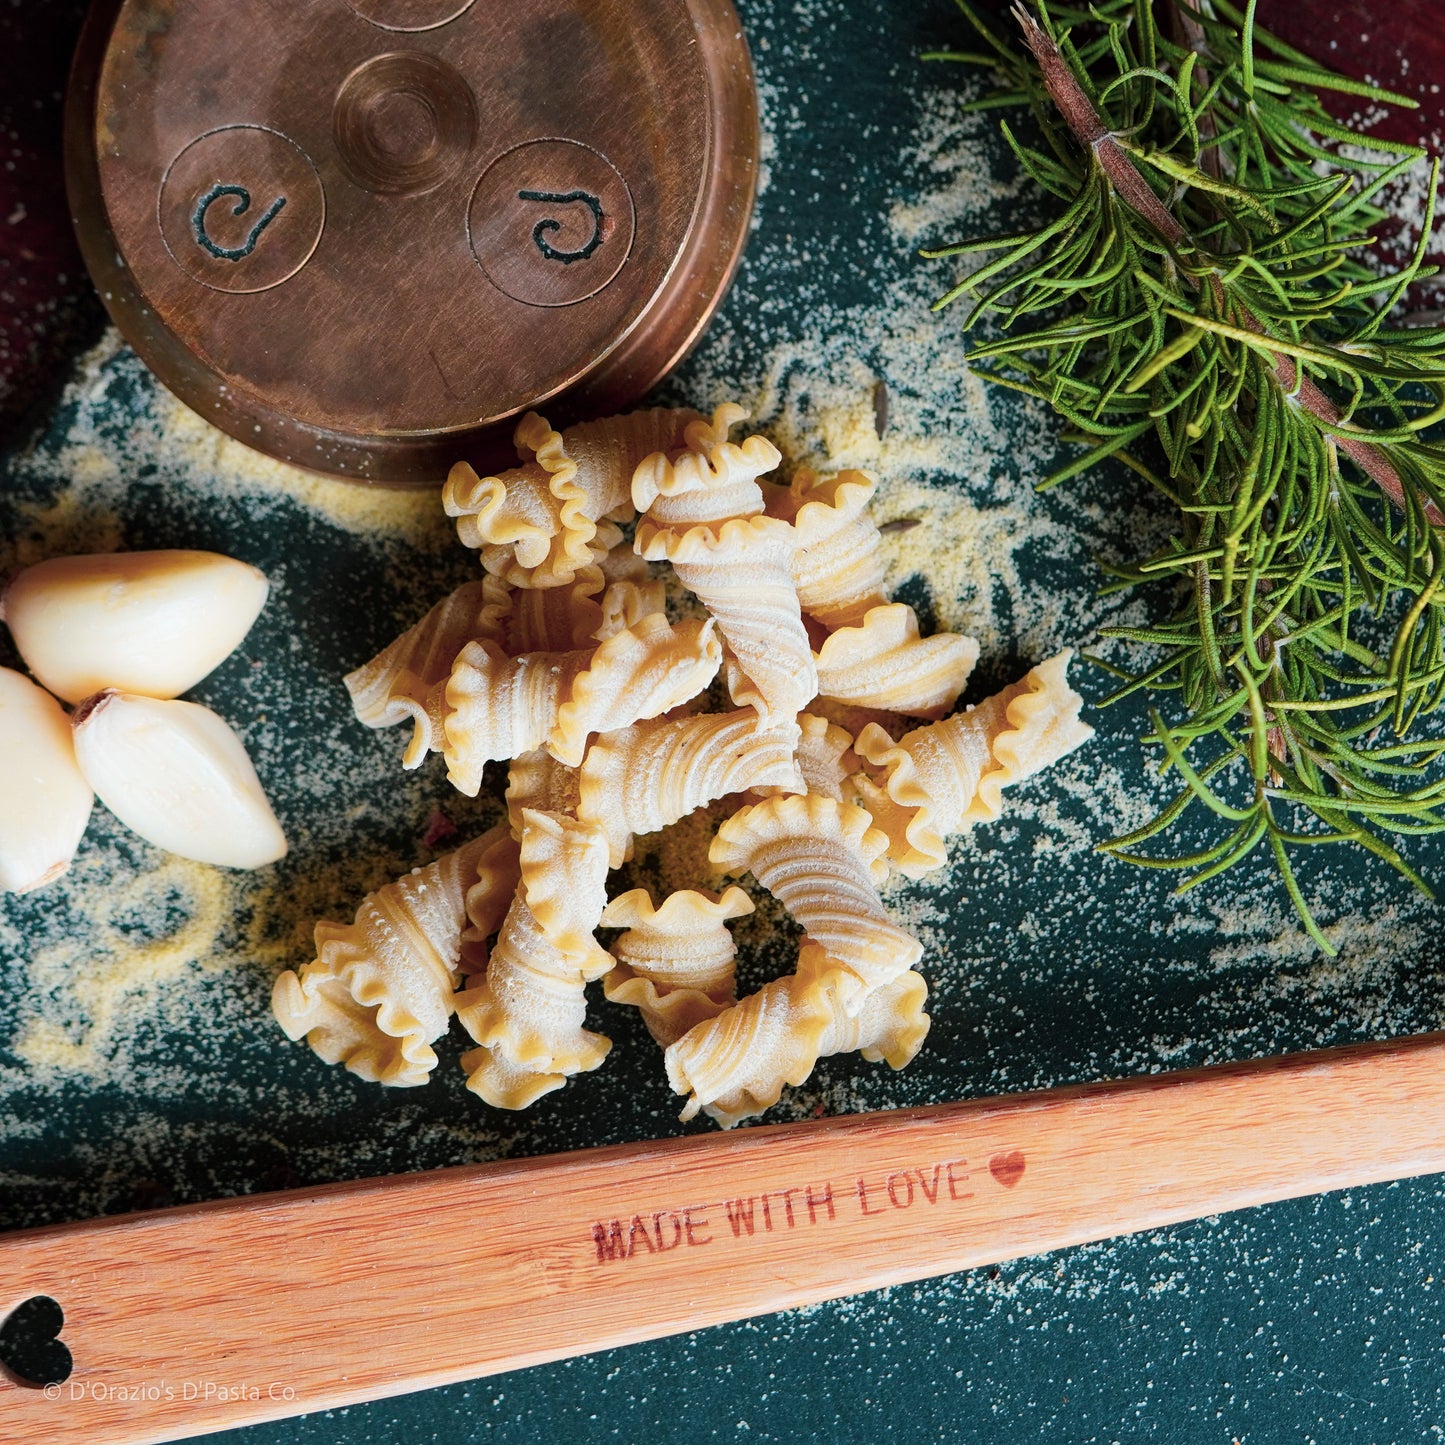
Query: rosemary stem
[1089, 129]
[1191, 35]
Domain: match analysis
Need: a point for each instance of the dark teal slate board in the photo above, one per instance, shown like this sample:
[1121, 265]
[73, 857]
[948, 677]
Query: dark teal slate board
[1318, 1320]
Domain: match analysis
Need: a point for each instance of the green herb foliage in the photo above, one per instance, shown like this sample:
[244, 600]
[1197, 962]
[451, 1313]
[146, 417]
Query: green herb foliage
[1202, 286]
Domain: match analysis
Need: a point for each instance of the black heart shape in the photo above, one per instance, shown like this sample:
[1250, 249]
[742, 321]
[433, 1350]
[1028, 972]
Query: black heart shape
[30, 1345]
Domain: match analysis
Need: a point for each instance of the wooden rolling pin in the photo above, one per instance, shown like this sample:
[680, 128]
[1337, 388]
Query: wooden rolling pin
[190, 1320]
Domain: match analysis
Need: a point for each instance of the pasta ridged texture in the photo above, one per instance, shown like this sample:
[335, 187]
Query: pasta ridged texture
[949, 775]
[500, 706]
[526, 1013]
[537, 780]
[710, 481]
[824, 756]
[407, 678]
[821, 860]
[379, 991]
[737, 1064]
[537, 525]
[642, 778]
[640, 673]
[556, 619]
[890, 1027]
[703, 512]
[675, 961]
[838, 566]
[885, 663]
[742, 573]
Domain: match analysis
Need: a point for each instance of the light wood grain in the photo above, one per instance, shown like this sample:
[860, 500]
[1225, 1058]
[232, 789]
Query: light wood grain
[190, 1320]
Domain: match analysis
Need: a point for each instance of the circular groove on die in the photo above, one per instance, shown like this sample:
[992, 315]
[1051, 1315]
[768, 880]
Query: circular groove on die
[410, 15]
[403, 122]
[241, 209]
[551, 222]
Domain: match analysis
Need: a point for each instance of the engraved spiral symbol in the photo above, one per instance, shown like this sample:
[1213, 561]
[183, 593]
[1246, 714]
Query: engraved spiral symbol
[542, 228]
[241, 209]
[551, 222]
[243, 204]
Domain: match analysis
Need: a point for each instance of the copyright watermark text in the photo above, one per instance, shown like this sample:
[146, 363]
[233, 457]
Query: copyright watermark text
[153, 1391]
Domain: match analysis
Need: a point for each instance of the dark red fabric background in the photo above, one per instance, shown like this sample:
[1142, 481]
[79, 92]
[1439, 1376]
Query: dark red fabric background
[47, 306]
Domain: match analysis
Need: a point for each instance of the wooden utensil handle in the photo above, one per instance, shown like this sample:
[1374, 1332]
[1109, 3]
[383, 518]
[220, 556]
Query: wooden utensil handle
[189, 1320]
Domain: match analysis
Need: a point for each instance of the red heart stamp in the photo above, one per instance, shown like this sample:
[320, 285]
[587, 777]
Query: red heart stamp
[1008, 1169]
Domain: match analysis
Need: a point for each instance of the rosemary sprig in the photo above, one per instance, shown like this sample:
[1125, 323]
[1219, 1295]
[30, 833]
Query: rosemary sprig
[1199, 307]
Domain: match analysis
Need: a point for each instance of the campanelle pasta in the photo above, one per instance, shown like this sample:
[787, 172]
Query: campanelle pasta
[408, 678]
[543, 522]
[821, 860]
[675, 963]
[526, 1011]
[939, 779]
[380, 989]
[563, 663]
[736, 1063]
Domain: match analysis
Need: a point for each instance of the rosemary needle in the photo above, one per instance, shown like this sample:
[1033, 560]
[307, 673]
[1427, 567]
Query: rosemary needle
[1199, 306]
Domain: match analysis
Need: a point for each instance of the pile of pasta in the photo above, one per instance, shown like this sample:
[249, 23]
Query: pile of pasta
[834, 754]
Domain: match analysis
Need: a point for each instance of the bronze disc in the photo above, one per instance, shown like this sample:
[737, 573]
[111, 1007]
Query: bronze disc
[364, 235]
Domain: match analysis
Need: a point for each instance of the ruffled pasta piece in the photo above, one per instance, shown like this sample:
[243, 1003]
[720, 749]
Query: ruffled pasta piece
[709, 482]
[737, 1064]
[407, 679]
[500, 706]
[891, 1026]
[608, 451]
[622, 564]
[825, 756]
[538, 524]
[499, 871]
[838, 566]
[642, 778]
[640, 673]
[821, 859]
[675, 962]
[885, 663]
[742, 572]
[379, 991]
[537, 780]
[556, 619]
[626, 602]
[944, 777]
[1043, 726]
[527, 1012]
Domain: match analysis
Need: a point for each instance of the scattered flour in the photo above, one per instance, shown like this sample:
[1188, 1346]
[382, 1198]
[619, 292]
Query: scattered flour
[139, 981]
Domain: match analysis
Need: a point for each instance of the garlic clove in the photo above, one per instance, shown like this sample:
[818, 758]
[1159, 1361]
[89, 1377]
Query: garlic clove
[176, 774]
[45, 801]
[144, 622]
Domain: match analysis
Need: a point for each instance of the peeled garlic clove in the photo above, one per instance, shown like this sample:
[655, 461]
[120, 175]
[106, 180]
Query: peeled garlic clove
[176, 774]
[147, 622]
[44, 800]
